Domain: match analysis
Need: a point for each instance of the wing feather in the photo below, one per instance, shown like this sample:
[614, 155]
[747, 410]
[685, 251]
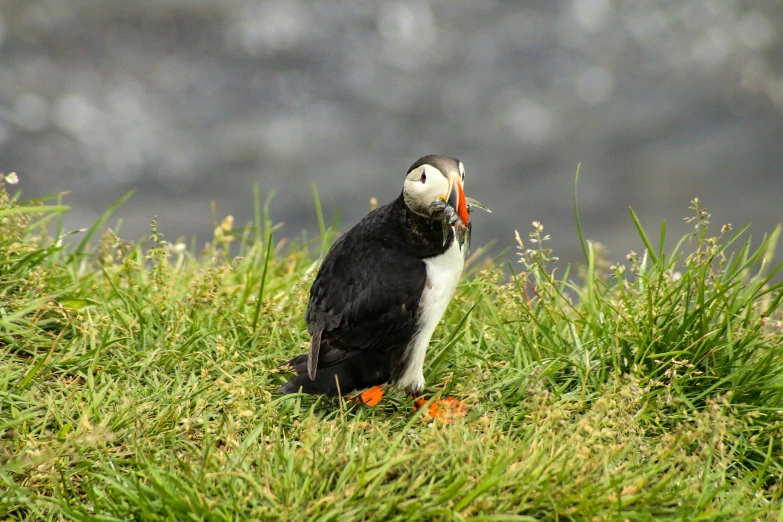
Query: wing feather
[365, 296]
[312, 354]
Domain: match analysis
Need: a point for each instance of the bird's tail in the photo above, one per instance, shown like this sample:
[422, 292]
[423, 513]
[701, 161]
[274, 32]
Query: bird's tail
[340, 373]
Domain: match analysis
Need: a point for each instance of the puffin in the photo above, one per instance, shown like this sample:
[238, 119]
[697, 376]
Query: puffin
[382, 289]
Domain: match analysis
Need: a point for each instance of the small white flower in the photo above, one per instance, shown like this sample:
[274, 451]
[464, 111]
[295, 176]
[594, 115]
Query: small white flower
[12, 178]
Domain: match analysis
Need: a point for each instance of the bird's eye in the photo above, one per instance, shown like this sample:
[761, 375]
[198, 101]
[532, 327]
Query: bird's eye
[423, 177]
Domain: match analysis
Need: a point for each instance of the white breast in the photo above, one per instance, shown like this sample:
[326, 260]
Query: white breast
[443, 273]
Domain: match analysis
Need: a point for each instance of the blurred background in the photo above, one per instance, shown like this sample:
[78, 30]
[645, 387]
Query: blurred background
[192, 101]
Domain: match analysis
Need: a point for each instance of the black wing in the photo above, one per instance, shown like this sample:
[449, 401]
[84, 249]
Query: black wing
[366, 295]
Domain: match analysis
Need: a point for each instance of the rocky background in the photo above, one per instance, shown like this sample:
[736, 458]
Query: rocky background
[192, 101]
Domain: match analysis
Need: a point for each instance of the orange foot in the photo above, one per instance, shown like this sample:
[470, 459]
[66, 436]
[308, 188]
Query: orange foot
[371, 397]
[446, 409]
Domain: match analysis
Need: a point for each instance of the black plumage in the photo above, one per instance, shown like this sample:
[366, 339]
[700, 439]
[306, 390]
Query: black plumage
[364, 303]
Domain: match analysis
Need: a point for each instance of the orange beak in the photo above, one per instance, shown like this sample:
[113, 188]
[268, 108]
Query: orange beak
[456, 199]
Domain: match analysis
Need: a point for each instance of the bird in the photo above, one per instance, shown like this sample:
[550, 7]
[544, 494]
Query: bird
[382, 289]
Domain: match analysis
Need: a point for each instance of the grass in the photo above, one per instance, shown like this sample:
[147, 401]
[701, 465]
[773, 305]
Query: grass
[136, 383]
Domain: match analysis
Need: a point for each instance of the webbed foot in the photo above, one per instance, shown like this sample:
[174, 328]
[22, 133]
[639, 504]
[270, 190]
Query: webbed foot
[447, 409]
[370, 397]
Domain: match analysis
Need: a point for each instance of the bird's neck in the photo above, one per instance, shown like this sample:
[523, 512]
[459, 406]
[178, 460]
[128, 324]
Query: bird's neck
[418, 235]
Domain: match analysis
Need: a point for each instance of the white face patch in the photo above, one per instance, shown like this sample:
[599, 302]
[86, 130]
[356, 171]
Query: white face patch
[462, 173]
[423, 185]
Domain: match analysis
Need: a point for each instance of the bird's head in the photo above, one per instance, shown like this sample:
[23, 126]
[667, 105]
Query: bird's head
[435, 180]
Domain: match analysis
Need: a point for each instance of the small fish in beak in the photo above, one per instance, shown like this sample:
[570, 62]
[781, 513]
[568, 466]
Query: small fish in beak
[454, 212]
[474, 203]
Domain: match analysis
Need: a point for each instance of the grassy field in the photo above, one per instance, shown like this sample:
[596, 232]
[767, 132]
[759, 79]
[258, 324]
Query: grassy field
[137, 380]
